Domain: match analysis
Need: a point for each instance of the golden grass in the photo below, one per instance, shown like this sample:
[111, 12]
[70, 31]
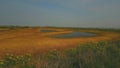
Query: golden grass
[31, 40]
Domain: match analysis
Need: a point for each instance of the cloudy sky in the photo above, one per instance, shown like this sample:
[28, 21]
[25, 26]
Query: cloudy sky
[66, 13]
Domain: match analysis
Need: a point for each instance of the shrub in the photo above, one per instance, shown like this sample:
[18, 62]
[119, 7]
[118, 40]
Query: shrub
[10, 61]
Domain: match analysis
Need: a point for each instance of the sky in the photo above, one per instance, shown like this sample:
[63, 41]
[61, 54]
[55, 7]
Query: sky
[61, 13]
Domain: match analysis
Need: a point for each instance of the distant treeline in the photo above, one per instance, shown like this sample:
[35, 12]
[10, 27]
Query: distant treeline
[73, 28]
[13, 26]
[87, 28]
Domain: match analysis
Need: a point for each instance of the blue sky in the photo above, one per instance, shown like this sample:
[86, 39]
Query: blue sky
[66, 13]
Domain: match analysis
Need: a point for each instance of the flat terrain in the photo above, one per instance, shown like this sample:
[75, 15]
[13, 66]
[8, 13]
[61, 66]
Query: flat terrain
[31, 40]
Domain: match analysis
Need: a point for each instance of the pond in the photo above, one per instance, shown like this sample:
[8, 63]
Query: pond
[75, 35]
[48, 31]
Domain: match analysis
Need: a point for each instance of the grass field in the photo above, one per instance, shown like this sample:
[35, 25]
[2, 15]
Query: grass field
[19, 41]
[31, 40]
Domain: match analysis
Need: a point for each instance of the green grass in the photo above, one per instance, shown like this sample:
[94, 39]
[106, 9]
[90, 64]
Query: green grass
[90, 55]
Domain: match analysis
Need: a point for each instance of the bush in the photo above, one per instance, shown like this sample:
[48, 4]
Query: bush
[11, 61]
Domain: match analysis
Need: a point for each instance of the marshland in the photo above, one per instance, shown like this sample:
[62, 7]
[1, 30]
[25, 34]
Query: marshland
[59, 33]
[48, 47]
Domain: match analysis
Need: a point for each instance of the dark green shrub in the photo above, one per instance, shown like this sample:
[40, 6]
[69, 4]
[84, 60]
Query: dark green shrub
[11, 61]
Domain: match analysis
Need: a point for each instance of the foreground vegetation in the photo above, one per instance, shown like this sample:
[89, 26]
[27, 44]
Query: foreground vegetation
[90, 55]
